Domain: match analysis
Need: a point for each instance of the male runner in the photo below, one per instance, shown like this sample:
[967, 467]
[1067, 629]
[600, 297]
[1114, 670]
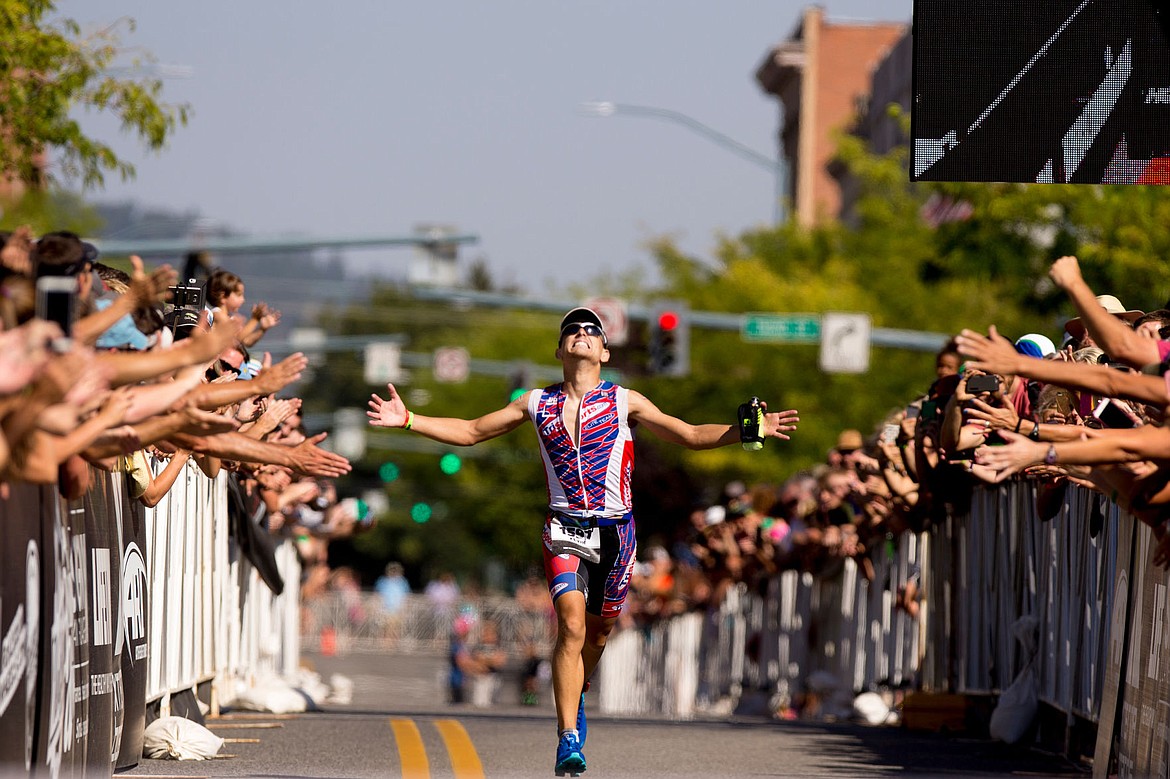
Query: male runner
[585, 428]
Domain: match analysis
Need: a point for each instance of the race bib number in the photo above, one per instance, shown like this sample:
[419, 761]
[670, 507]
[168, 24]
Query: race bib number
[581, 540]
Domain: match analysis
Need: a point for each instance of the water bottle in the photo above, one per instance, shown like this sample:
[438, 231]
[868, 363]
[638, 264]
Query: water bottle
[751, 425]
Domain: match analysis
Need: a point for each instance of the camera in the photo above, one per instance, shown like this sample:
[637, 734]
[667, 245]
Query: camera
[187, 300]
[984, 382]
[189, 295]
[182, 322]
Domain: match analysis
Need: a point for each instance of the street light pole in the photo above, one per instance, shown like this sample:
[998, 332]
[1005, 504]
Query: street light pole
[605, 108]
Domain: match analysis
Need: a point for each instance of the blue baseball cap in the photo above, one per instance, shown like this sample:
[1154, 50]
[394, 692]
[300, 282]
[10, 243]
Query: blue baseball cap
[123, 334]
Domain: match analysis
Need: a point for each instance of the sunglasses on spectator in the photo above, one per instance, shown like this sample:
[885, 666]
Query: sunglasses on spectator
[589, 328]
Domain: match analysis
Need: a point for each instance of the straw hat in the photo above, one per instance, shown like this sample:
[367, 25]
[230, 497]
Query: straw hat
[1076, 328]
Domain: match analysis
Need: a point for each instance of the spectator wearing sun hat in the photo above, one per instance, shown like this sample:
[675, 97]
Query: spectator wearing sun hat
[1107, 322]
[1077, 328]
[848, 442]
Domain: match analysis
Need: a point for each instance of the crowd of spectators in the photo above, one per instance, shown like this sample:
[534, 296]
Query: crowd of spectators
[1085, 407]
[103, 369]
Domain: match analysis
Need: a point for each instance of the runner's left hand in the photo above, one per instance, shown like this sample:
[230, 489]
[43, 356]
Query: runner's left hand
[779, 423]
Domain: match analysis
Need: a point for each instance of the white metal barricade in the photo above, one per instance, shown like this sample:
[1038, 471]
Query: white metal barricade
[212, 617]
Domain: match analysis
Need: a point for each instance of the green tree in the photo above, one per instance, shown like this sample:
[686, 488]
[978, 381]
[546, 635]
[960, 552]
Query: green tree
[492, 506]
[988, 266]
[891, 260]
[49, 71]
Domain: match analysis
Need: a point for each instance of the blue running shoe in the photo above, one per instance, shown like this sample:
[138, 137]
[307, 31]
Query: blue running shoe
[570, 761]
[582, 725]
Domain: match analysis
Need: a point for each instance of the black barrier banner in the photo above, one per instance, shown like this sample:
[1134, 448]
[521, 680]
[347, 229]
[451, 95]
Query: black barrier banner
[104, 561]
[131, 639]
[63, 700]
[1118, 639]
[20, 609]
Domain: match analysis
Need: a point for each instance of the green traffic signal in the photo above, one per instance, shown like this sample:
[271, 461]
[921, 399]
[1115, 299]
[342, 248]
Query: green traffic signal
[450, 463]
[420, 512]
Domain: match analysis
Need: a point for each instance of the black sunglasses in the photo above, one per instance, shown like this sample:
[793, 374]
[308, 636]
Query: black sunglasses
[589, 328]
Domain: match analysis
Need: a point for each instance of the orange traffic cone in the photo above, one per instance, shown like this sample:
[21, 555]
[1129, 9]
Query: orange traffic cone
[328, 641]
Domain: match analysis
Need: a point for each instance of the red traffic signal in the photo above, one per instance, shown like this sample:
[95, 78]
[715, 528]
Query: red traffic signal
[668, 342]
[667, 320]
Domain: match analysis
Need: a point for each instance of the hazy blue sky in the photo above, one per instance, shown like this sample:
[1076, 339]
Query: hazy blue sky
[367, 117]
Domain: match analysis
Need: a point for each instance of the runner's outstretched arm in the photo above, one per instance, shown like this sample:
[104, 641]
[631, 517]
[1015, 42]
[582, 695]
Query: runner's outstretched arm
[709, 436]
[392, 412]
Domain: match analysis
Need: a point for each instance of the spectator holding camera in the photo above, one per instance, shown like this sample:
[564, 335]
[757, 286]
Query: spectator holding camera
[93, 406]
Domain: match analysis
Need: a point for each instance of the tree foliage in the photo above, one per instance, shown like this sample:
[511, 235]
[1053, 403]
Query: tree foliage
[49, 71]
[934, 258]
[489, 508]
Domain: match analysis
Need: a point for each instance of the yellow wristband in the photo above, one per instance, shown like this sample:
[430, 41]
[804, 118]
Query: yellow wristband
[409, 420]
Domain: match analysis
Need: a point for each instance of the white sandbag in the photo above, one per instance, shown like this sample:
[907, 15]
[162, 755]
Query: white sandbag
[870, 708]
[310, 684]
[271, 695]
[341, 689]
[178, 738]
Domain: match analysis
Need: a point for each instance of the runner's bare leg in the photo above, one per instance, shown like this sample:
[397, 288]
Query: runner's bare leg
[568, 670]
[597, 630]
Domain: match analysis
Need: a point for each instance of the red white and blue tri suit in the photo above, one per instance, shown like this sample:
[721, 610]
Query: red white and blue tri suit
[589, 483]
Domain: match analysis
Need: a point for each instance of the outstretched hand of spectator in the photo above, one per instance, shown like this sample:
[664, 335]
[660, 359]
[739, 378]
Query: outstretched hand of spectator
[1002, 417]
[991, 353]
[209, 344]
[277, 377]
[280, 410]
[24, 352]
[84, 377]
[311, 460]
[200, 422]
[149, 290]
[983, 473]
[1066, 272]
[265, 317]
[15, 256]
[1016, 454]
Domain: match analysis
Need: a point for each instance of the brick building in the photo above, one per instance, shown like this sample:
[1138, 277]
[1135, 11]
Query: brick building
[822, 76]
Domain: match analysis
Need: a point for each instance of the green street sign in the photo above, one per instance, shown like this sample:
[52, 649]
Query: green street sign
[781, 328]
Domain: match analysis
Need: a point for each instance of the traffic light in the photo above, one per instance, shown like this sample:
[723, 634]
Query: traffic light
[518, 381]
[450, 463]
[670, 339]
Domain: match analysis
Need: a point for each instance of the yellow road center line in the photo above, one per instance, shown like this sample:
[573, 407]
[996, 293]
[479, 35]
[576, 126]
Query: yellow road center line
[464, 760]
[411, 752]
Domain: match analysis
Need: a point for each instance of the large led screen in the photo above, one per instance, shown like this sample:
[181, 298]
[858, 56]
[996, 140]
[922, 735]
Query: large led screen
[1049, 91]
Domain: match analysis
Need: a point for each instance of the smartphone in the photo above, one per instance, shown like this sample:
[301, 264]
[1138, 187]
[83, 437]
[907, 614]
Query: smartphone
[56, 301]
[1114, 415]
[984, 382]
[890, 434]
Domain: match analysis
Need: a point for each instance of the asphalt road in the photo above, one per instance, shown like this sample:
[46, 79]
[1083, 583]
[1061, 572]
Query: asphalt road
[398, 724]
